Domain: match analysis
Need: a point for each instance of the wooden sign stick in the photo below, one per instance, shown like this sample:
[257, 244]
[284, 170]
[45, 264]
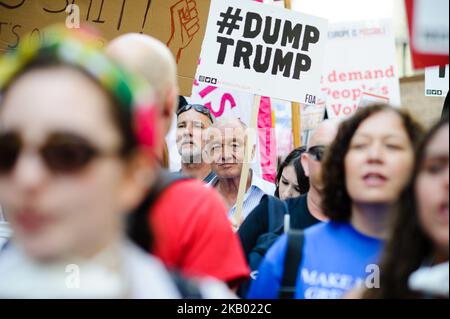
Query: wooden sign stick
[251, 138]
[295, 107]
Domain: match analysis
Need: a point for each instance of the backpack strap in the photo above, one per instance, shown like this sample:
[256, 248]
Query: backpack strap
[292, 261]
[276, 212]
[187, 288]
[137, 223]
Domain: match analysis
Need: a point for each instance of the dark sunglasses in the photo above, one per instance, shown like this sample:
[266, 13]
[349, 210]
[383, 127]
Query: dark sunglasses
[317, 152]
[62, 152]
[197, 107]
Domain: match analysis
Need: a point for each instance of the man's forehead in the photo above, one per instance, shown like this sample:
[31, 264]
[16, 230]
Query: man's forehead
[324, 134]
[227, 134]
[192, 115]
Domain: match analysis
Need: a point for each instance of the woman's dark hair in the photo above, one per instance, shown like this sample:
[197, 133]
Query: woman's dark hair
[408, 246]
[336, 201]
[294, 159]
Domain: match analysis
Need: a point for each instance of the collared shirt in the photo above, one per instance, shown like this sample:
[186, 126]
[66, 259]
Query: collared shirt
[258, 188]
[211, 179]
[5, 231]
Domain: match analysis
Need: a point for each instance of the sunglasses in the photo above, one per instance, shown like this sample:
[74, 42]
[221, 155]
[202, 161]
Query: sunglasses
[197, 107]
[62, 153]
[317, 152]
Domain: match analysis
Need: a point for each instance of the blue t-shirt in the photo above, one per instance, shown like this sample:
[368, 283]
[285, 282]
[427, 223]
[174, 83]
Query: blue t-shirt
[336, 258]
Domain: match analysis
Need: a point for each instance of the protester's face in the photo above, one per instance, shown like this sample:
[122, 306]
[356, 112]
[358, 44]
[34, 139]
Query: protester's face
[53, 212]
[191, 126]
[379, 160]
[432, 190]
[227, 151]
[288, 184]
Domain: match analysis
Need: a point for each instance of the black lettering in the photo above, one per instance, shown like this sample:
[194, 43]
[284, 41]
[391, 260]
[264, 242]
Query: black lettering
[291, 35]
[312, 35]
[57, 10]
[149, 2]
[119, 24]
[268, 37]
[258, 64]
[224, 43]
[98, 20]
[12, 6]
[244, 51]
[248, 32]
[89, 10]
[17, 26]
[442, 72]
[302, 64]
[282, 63]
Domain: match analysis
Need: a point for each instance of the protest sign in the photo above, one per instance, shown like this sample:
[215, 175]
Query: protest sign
[178, 23]
[360, 61]
[436, 81]
[428, 23]
[264, 50]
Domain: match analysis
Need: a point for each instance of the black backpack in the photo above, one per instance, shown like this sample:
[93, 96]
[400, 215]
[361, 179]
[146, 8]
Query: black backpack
[137, 223]
[277, 211]
[139, 233]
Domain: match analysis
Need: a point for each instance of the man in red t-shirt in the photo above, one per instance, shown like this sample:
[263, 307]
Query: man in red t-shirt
[191, 230]
[192, 233]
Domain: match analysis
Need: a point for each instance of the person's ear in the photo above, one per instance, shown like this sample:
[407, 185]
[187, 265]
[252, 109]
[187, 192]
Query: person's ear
[305, 163]
[140, 175]
[169, 108]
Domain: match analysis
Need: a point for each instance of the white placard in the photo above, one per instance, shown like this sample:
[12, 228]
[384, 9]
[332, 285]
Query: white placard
[431, 26]
[264, 50]
[436, 81]
[360, 63]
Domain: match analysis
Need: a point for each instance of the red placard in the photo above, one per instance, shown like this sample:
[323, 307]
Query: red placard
[420, 59]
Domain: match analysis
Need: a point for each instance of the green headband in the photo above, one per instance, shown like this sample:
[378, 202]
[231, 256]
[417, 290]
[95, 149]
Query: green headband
[80, 49]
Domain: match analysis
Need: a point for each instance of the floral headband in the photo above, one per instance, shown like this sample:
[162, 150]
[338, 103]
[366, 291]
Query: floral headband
[80, 49]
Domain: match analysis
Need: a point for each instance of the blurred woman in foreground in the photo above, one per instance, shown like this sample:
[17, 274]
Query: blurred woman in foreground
[77, 148]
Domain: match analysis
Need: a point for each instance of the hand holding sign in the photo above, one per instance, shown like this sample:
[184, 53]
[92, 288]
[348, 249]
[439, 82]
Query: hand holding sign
[184, 26]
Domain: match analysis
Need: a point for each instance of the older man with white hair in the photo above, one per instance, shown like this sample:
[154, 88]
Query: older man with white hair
[227, 141]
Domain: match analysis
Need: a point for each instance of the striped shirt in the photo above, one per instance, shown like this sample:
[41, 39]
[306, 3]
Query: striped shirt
[5, 231]
[252, 198]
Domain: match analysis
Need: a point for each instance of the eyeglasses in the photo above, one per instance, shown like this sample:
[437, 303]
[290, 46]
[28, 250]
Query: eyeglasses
[317, 152]
[197, 107]
[62, 152]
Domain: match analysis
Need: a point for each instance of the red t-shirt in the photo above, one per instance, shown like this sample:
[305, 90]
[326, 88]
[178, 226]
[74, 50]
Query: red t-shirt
[193, 234]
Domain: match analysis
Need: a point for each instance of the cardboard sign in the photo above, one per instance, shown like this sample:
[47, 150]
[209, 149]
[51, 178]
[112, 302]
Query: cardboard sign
[428, 23]
[360, 62]
[178, 23]
[264, 50]
[436, 81]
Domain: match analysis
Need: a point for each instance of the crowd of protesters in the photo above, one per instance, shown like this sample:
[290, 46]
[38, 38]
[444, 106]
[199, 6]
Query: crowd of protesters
[360, 212]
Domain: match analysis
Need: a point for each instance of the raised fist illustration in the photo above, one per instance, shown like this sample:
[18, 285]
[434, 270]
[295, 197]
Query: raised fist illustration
[184, 26]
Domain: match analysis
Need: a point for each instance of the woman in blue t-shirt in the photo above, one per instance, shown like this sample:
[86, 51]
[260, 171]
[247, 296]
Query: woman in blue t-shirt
[415, 262]
[365, 170]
